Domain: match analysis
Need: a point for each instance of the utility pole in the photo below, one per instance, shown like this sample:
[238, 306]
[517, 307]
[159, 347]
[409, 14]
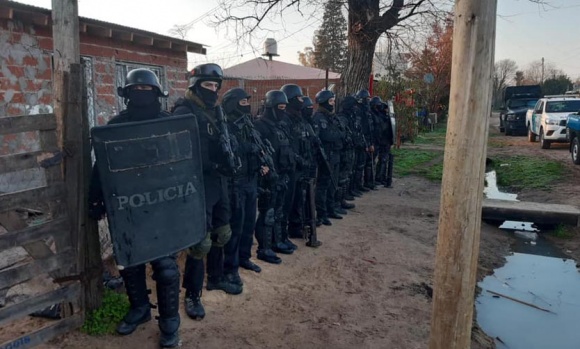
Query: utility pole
[463, 175]
[542, 81]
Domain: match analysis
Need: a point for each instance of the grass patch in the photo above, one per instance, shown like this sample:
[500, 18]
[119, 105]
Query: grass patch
[104, 320]
[408, 161]
[562, 232]
[521, 172]
[437, 137]
[494, 143]
[434, 172]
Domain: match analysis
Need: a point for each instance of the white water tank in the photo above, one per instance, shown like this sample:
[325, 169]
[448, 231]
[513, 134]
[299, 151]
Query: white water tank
[270, 48]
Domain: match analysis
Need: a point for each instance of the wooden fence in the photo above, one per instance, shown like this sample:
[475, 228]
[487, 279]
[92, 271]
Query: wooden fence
[43, 241]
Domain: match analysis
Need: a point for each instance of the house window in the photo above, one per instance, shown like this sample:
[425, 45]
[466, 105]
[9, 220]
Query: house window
[121, 70]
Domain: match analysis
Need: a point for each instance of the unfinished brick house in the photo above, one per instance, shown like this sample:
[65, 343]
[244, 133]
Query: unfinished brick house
[108, 51]
[259, 75]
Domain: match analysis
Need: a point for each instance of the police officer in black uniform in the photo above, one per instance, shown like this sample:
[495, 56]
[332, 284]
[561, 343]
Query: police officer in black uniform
[271, 198]
[301, 137]
[330, 136]
[385, 142]
[244, 184]
[141, 93]
[363, 161]
[219, 164]
[308, 109]
[346, 118]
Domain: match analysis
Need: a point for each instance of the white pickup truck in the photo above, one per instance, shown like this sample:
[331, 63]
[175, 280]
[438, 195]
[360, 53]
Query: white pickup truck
[548, 119]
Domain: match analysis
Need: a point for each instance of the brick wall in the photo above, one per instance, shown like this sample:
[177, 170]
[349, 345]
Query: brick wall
[26, 74]
[258, 88]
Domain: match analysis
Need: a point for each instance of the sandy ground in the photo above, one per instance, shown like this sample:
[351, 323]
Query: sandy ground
[366, 287]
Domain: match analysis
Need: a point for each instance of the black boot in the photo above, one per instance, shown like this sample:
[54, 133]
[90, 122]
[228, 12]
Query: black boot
[249, 265]
[333, 215]
[166, 274]
[215, 273]
[268, 256]
[264, 237]
[344, 204]
[285, 238]
[193, 283]
[279, 246]
[140, 311]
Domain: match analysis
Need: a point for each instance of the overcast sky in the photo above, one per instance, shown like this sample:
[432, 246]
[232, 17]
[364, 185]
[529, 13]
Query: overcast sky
[525, 31]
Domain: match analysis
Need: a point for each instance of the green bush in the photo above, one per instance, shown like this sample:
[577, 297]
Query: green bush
[104, 320]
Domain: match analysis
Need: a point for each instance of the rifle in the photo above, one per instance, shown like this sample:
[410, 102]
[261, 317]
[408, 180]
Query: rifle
[265, 147]
[323, 156]
[370, 153]
[234, 162]
[309, 209]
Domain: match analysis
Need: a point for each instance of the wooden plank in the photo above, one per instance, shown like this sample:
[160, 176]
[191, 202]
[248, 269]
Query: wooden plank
[44, 335]
[67, 293]
[84, 236]
[17, 238]
[541, 213]
[26, 123]
[48, 140]
[463, 174]
[16, 275]
[24, 161]
[23, 198]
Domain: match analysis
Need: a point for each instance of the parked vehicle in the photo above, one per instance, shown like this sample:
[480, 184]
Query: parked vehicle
[549, 118]
[517, 100]
[573, 135]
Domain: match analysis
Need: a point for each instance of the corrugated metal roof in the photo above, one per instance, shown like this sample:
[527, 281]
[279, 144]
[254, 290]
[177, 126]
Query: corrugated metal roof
[262, 69]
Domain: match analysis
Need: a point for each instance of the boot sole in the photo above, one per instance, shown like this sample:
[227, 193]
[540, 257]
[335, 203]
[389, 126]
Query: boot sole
[147, 319]
[171, 344]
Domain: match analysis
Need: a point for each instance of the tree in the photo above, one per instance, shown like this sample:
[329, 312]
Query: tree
[503, 75]
[330, 38]
[367, 21]
[307, 57]
[434, 60]
[180, 31]
[535, 73]
[556, 85]
[519, 78]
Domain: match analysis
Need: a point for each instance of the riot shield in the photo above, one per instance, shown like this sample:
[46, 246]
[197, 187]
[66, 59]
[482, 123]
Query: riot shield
[152, 182]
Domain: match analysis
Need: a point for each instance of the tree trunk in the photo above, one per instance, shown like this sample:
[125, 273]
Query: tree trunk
[355, 76]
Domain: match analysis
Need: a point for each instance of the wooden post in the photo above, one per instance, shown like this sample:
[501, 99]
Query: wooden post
[463, 176]
[72, 133]
[66, 50]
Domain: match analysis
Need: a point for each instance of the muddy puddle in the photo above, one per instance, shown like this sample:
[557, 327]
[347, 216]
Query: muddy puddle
[533, 301]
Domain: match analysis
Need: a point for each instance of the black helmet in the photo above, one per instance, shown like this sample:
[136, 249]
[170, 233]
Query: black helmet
[232, 97]
[323, 96]
[140, 76]
[376, 101]
[206, 72]
[291, 91]
[348, 102]
[275, 97]
[308, 102]
[363, 93]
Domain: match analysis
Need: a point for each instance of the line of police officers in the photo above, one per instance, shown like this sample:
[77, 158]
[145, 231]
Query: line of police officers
[300, 166]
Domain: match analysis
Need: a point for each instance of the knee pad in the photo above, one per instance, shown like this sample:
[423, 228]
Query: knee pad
[166, 271]
[201, 249]
[269, 218]
[221, 235]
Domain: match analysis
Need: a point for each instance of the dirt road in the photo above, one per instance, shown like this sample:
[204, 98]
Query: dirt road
[366, 287]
